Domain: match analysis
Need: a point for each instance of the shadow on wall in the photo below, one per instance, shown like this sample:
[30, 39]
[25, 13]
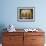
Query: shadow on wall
[2, 26]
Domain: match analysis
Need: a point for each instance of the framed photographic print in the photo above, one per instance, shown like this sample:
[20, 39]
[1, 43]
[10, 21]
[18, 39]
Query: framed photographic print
[26, 14]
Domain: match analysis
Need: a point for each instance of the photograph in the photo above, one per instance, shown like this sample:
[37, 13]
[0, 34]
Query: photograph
[22, 23]
[25, 14]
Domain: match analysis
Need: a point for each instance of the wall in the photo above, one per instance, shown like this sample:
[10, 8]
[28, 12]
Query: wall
[8, 13]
